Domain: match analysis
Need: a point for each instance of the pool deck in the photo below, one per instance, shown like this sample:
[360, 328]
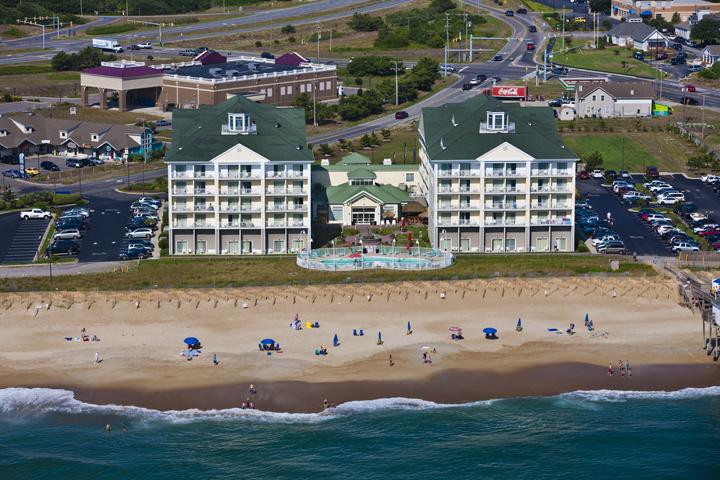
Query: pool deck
[357, 258]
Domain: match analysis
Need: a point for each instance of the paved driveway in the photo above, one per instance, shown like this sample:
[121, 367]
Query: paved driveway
[637, 237]
[20, 239]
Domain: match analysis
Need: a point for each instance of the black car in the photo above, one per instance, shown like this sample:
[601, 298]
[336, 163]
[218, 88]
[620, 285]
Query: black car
[521, 10]
[134, 254]
[678, 61]
[481, 78]
[497, 58]
[509, 13]
[467, 86]
[49, 166]
[74, 163]
[63, 247]
[533, 29]
[611, 173]
[267, 55]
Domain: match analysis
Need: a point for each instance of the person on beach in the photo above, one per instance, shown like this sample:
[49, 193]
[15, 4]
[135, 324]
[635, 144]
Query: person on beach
[244, 405]
[326, 405]
[98, 358]
[252, 390]
[390, 360]
[621, 368]
[215, 360]
[610, 369]
[627, 367]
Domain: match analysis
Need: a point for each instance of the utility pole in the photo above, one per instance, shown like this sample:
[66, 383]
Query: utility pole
[703, 118]
[38, 22]
[81, 10]
[563, 29]
[159, 25]
[447, 42]
[146, 143]
[466, 32]
[396, 83]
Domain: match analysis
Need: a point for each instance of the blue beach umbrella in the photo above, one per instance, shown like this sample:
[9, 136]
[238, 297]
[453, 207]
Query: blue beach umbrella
[267, 341]
[587, 318]
[191, 341]
[336, 341]
[408, 329]
[519, 324]
[489, 331]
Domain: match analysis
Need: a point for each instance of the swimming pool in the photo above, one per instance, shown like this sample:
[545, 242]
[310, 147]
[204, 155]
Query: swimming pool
[351, 259]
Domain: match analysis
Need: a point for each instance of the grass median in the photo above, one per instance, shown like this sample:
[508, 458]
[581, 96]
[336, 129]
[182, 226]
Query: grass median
[611, 60]
[216, 272]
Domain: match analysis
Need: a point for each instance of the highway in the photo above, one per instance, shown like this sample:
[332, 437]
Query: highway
[257, 21]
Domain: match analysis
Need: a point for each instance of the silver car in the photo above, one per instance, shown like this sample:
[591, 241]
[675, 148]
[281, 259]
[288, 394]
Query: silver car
[69, 234]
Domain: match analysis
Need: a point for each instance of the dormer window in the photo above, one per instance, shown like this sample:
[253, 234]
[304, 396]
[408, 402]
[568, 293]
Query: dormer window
[94, 137]
[3, 133]
[63, 134]
[496, 121]
[239, 123]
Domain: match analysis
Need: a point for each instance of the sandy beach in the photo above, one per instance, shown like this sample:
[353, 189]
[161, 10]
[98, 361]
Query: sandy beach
[141, 339]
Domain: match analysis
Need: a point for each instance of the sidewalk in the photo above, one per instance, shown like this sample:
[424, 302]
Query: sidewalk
[59, 269]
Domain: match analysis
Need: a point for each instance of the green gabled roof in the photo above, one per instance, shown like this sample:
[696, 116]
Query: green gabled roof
[385, 193]
[355, 159]
[361, 173]
[280, 132]
[337, 167]
[451, 132]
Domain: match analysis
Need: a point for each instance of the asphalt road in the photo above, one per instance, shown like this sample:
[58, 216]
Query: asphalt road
[707, 201]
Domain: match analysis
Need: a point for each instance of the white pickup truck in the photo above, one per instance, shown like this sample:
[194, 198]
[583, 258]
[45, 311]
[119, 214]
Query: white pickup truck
[35, 213]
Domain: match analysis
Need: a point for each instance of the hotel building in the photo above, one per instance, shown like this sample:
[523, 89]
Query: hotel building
[239, 177]
[497, 178]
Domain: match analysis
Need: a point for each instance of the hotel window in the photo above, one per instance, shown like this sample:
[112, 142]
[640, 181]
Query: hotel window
[409, 177]
[336, 213]
[181, 246]
[328, 85]
[268, 92]
[561, 244]
[497, 244]
[496, 120]
[321, 86]
[298, 244]
[509, 244]
[309, 87]
[233, 247]
[278, 246]
[282, 90]
[541, 244]
[238, 122]
[247, 246]
[289, 90]
[302, 88]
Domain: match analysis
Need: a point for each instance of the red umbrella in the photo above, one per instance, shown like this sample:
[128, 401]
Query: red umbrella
[455, 329]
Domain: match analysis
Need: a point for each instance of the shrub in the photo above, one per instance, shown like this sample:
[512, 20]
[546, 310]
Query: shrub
[163, 243]
[258, 44]
[287, 29]
[582, 247]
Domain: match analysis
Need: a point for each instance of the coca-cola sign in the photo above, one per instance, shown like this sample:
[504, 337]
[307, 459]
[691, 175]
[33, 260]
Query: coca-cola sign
[503, 91]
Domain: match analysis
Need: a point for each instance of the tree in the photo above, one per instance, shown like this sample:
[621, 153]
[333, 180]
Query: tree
[706, 30]
[323, 112]
[372, 65]
[675, 18]
[85, 58]
[424, 73]
[602, 6]
[593, 160]
[287, 29]
[391, 38]
[363, 22]
[441, 6]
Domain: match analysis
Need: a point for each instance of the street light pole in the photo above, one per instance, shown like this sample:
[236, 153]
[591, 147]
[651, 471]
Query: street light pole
[396, 83]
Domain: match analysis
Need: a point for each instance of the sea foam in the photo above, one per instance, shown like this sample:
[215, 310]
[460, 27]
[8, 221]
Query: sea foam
[625, 395]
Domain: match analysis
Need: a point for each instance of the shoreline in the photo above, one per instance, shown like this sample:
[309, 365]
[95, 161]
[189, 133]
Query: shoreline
[445, 387]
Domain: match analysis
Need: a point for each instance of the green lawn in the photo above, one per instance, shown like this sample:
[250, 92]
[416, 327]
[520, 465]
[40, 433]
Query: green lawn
[257, 271]
[26, 69]
[112, 29]
[634, 151]
[605, 61]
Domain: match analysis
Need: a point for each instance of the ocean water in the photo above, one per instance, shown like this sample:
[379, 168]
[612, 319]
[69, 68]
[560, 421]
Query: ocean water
[47, 434]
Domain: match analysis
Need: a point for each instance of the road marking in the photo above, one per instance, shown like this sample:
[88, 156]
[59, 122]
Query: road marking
[637, 237]
[462, 69]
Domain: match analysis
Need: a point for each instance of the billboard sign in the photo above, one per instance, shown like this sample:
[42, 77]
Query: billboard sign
[504, 91]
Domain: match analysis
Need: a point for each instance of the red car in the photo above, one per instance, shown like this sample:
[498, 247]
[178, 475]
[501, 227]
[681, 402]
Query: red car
[652, 172]
[584, 175]
[690, 88]
[531, 46]
[712, 231]
[401, 115]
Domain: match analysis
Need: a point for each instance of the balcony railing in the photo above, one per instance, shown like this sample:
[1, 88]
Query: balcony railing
[204, 191]
[469, 190]
[204, 224]
[550, 221]
[506, 174]
[230, 191]
[181, 191]
[182, 224]
[182, 208]
[203, 174]
[250, 191]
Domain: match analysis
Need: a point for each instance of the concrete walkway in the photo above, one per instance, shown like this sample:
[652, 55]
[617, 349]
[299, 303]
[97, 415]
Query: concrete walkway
[58, 269]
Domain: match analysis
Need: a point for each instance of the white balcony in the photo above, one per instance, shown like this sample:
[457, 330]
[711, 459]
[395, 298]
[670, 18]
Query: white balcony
[250, 191]
[181, 191]
[230, 191]
[203, 191]
[550, 221]
[205, 224]
[505, 173]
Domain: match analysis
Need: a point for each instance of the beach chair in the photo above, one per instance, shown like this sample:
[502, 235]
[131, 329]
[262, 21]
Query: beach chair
[362, 333]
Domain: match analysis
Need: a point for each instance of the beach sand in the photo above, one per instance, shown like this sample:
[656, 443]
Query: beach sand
[141, 338]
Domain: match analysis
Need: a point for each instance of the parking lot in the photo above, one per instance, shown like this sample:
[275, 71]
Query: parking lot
[105, 234]
[20, 239]
[639, 236]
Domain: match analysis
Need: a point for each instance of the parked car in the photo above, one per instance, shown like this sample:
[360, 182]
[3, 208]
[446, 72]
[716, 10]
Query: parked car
[624, 174]
[134, 254]
[613, 247]
[652, 172]
[71, 234]
[78, 211]
[655, 216]
[402, 114]
[140, 233]
[467, 86]
[49, 166]
[597, 174]
[74, 163]
[35, 213]
[583, 175]
[498, 58]
[709, 178]
[685, 247]
[267, 55]
[670, 198]
[63, 247]
[188, 52]
[96, 161]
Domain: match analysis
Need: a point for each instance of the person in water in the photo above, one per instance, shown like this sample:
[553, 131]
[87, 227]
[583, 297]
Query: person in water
[326, 405]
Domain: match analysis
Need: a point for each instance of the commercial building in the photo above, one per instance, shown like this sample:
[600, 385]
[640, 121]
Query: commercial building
[239, 179]
[662, 8]
[614, 99]
[209, 79]
[188, 86]
[637, 35]
[133, 83]
[35, 134]
[497, 178]
[356, 192]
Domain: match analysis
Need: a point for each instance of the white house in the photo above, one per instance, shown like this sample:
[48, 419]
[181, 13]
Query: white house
[710, 54]
[637, 35]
